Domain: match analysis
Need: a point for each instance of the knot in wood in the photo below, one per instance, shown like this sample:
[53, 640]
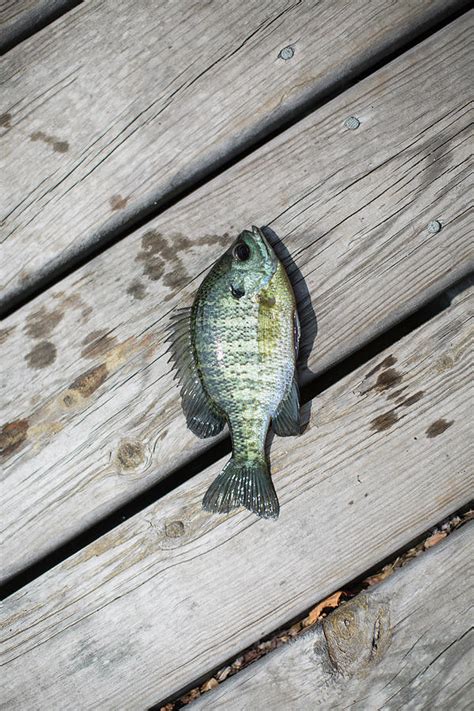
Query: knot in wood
[130, 454]
[174, 529]
[357, 635]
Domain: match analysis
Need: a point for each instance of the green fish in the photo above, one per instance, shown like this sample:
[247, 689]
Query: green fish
[235, 352]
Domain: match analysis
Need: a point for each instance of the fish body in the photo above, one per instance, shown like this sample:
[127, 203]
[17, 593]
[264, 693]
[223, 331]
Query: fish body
[235, 350]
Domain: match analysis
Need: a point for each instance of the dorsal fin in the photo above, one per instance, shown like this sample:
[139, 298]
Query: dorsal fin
[202, 416]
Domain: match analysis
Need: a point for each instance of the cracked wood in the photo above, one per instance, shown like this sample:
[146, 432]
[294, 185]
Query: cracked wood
[425, 663]
[116, 105]
[173, 592]
[352, 207]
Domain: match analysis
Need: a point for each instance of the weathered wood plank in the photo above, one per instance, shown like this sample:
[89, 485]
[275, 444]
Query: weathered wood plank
[118, 104]
[91, 410]
[173, 592]
[406, 644]
[20, 18]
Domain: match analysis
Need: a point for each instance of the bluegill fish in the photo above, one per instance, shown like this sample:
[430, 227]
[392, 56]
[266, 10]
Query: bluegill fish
[235, 350]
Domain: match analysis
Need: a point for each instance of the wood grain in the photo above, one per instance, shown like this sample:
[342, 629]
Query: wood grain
[405, 644]
[118, 105]
[20, 18]
[90, 411]
[173, 592]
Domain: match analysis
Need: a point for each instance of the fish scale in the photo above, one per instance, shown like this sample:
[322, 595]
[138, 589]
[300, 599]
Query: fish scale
[235, 351]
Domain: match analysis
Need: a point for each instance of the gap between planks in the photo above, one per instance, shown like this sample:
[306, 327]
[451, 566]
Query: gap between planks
[349, 232]
[50, 212]
[368, 651]
[215, 452]
[106, 626]
[21, 19]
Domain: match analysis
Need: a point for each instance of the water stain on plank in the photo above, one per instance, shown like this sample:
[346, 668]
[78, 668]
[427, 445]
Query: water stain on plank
[117, 202]
[42, 323]
[412, 399]
[5, 332]
[386, 363]
[87, 383]
[6, 120]
[41, 355]
[97, 343]
[438, 427]
[137, 289]
[12, 436]
[384, 422]
[57, 145]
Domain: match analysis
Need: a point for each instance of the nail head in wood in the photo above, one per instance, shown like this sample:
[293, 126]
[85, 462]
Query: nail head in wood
[434, 227]
[352, 123]
[286, 53]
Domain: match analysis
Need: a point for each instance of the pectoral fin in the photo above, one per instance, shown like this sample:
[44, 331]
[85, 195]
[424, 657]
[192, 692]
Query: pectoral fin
[286, 420]
[202, 416]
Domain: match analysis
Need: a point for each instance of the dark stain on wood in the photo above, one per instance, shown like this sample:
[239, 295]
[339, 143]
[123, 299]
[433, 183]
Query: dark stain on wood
[130, 455]
[42, 323]
[6, 120]
[438, 427]
[97, 343]
[386, 363]
[384, 422]
[12, 436]
[117, 202]
[56, 144]
[41, 355]
[412, 399]
[87, 383]
[5, 332]
[137, 289]
[387, 379]
[396, 394]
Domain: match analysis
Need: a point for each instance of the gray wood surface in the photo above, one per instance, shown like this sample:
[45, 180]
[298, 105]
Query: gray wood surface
[19, 18]
[408, 643]
[91, 411]
[174, 592]
[119, 103]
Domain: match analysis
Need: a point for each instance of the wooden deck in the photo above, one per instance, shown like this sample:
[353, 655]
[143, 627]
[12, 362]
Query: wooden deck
[136, 141]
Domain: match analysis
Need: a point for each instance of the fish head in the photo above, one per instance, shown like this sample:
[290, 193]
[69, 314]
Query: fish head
[251, 263]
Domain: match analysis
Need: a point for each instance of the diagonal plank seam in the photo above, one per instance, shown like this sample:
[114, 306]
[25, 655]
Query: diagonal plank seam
[187, 471]
[34, 20]
[107, 237]
[351, 589]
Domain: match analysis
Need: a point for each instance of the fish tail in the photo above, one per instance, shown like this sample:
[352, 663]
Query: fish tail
[246, 484]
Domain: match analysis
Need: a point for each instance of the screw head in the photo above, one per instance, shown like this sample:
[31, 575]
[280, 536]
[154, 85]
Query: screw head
[434, 227]
[352, 123]
[286, 53]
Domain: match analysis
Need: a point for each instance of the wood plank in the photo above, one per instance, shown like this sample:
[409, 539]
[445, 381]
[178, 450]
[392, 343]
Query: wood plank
[424, 646]
[20, 18]
[95, 411]
[173, 592]
[118, 104]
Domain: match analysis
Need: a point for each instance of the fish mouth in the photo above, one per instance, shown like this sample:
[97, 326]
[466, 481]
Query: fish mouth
[260, 239]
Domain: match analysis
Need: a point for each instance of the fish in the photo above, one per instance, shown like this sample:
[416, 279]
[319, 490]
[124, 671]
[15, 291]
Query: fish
[235, 352]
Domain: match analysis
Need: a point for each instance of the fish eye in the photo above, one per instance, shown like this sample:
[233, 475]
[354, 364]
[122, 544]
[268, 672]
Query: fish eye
[241, 252]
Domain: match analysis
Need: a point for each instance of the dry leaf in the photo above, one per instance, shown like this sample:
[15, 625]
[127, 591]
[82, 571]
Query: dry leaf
[190, 696]
[209, 684]
[331, 601]
[434, 539]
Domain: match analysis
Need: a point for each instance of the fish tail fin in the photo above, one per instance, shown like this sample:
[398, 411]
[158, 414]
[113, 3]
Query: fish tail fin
[246, 484]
